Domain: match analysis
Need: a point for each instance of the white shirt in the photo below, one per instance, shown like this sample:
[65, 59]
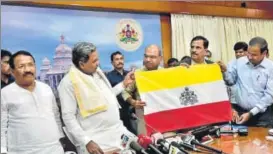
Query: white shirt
[104, 128]
[30, 122]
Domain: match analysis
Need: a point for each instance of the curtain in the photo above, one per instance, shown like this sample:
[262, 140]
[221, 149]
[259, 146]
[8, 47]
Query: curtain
[222, 33]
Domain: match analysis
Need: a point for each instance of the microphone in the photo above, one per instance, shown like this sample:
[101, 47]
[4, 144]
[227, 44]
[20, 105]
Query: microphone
[171, 147]
[174, 150]
[199, 133]
[179, 147]
[130, 142]
[190, 139]
[155, 137]
[163, 143]
[188, 146]
[146, 142]
[185, 145]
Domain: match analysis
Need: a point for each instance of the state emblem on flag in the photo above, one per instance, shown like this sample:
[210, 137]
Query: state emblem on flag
[129, 35]
[188, 97]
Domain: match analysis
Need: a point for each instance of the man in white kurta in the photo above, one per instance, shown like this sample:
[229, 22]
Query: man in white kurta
[103, 128]
[30, 122]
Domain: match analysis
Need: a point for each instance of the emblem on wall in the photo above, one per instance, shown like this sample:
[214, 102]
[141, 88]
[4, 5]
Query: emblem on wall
[129, 35]
[188, 97]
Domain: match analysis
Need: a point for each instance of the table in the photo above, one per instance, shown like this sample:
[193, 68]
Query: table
[254, 143]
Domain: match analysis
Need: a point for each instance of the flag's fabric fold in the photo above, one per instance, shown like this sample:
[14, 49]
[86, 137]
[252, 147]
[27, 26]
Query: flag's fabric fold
[180, 97]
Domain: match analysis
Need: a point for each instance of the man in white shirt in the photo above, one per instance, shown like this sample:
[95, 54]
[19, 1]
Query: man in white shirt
[30, 122]
[90, 109]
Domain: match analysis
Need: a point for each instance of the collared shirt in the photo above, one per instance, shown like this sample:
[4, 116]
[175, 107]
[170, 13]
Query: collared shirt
[254, 84]
[104, 128]
[4, 84]
[115, 77]
[194, 63]
[30, 121]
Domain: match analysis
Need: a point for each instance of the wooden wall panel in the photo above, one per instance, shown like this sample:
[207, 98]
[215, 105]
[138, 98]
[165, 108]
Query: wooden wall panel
[261, 5]
[212, 8]
[166, 37]
[264, 5]
[159, 7]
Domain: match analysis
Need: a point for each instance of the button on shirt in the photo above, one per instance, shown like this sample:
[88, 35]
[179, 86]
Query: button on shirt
[254, 84]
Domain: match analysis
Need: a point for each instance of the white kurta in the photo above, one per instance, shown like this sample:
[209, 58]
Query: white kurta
[104, 128]
[30, 121]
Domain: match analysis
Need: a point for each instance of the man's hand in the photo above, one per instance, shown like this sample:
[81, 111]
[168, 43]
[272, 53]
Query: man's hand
[235, 115]
[222, 66]
[138, 104]
[185, 65]
[129, 79]
[243, 118]
[93, 148]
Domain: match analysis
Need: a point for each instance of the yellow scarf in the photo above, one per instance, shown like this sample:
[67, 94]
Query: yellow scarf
[89, 97]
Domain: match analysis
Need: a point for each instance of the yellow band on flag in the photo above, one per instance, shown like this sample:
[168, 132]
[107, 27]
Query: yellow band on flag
[177, 77]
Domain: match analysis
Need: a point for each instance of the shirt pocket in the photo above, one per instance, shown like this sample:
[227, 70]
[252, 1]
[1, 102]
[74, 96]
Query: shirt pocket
[260, 81]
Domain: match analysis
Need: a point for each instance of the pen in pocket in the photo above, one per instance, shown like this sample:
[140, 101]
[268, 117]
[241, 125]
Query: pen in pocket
[258, 77]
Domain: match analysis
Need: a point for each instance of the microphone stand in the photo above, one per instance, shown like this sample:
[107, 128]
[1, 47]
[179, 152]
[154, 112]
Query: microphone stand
[206, 147]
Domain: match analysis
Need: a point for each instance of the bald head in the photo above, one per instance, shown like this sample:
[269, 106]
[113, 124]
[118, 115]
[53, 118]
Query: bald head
[155, 48]
[152, 57]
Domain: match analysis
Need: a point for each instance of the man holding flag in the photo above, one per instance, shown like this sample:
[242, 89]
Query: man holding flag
[198, 48]
[151, 61]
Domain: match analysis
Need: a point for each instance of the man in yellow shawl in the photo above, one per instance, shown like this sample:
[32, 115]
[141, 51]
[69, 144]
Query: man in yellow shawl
[90, 109]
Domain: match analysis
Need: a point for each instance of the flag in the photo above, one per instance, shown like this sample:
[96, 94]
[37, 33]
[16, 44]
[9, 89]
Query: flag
[180, 97]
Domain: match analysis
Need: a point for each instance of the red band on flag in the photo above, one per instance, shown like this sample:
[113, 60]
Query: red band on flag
[182, 118]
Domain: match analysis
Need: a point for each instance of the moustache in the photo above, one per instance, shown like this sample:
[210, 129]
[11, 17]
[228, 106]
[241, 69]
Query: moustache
[28, 73]
[193, 53]
[148, 63]
[120, 63]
